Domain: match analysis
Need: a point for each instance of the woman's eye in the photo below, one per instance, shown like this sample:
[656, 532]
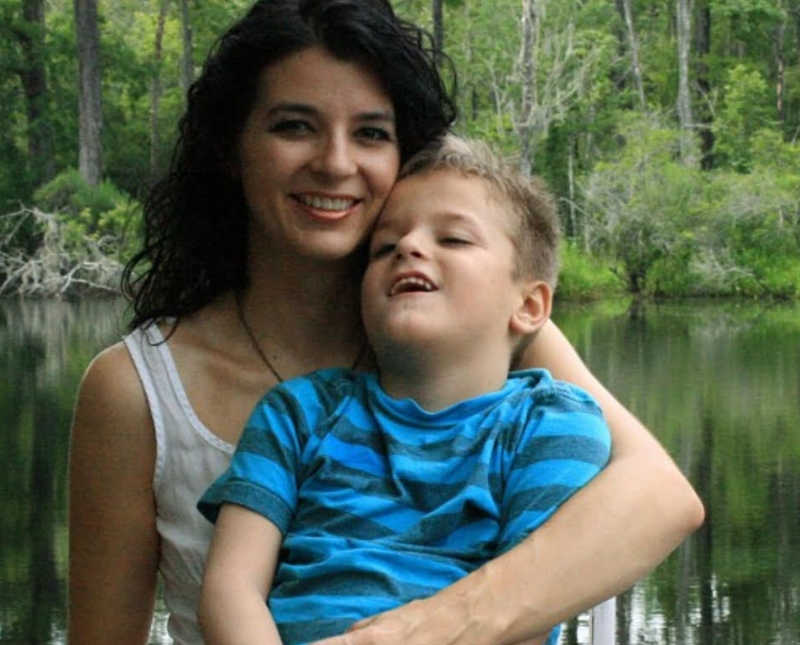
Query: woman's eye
[292, 126]
[374, 134]
[454, 241]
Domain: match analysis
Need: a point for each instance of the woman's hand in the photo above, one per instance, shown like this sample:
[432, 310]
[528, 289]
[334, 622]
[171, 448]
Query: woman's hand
[414, 624]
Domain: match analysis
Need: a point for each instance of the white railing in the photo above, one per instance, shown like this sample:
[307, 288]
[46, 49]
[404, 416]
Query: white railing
[604, 622]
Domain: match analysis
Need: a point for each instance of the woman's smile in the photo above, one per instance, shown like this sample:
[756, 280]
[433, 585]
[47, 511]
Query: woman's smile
[318, 155]
[327, 207]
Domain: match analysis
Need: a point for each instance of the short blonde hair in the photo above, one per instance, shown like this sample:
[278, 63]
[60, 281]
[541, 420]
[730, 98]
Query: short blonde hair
[535, 225]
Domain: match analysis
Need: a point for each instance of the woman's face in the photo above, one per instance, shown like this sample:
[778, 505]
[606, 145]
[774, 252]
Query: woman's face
[318, 155]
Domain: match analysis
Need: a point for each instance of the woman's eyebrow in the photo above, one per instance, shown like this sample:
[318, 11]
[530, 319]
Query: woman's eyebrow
[377, 115]
[310, 110]
[301, 108]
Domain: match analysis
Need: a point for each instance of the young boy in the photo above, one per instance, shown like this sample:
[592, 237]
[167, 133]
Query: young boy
[377, 490]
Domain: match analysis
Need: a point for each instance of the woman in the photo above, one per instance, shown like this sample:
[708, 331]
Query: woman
[291, 142]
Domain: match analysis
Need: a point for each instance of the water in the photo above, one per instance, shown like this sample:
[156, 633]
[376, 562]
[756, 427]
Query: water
[719, 383]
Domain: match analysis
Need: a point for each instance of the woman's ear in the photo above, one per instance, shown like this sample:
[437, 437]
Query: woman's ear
[534, 308]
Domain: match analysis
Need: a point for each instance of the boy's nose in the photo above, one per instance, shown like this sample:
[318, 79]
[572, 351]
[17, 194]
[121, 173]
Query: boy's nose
[410, 245]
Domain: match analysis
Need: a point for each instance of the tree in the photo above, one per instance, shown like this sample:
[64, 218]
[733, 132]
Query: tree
[684, 103]
[746, 109]
[633, 43]
[530, 23]
[547, 92]
[31, 70]
[702, 42]
[90, 95]
[778, 44]
[638, 204]
[187, 61]
[438, 23]
[156, 89]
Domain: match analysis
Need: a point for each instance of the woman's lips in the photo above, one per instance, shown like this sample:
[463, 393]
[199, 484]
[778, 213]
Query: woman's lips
[327, 207]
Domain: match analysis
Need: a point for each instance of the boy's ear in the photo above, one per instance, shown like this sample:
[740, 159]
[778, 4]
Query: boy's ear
[534, 308]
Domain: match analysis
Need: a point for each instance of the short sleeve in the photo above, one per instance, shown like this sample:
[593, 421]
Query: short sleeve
[562, 443]
[263, 472]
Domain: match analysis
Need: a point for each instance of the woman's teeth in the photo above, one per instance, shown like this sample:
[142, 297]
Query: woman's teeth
[326, 203]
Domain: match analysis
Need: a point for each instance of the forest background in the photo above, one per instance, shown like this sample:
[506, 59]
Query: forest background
[668, 129]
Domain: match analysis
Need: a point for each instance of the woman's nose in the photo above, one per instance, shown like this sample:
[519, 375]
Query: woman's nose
[335, 156]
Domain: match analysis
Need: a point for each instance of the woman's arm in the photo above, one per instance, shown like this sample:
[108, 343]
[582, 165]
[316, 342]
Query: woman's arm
[113, 544]
[611, 533]
[239, 571]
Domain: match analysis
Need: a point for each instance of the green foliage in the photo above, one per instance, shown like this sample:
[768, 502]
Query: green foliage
[583, 276]
[746, 109]
[679, 231]
[637, 205]
[666, 229]
[102, 213]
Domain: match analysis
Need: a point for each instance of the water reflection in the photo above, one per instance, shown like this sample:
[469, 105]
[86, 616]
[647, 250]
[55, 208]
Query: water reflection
[719, 383]
[45, 347]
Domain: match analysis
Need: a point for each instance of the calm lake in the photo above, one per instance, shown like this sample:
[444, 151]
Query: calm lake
[719, 384]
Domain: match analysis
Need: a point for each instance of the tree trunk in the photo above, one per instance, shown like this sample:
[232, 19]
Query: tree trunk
[155, 91]
[89, 94]
[573, 225]
[778, 43]
[684, 103]
[795, 10]
[633, 43]
[34, 85]
[438, 24]
[187, 60]
[620, 78]
[529, 99]
[702, 45]
[471, 109]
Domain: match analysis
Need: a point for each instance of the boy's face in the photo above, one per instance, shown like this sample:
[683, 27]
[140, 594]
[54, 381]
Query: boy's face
[441, 266]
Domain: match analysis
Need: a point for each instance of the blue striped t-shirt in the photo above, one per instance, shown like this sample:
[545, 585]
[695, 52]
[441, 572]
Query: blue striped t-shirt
[381, 502]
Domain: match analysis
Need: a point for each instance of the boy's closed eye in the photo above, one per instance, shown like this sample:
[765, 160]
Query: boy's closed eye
[451, 240]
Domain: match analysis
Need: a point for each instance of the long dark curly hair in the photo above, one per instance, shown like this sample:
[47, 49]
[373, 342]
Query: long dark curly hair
[195, 238]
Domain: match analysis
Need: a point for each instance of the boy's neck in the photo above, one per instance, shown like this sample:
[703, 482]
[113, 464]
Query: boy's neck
[437, 384]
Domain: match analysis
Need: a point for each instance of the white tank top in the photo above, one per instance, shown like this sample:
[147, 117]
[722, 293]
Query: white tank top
[188, 458]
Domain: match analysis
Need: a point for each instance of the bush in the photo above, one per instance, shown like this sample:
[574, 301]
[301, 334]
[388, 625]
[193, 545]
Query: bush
[103, 213]
[585, 277]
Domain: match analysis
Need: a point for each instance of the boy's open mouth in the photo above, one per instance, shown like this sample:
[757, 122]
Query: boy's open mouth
[411, 284]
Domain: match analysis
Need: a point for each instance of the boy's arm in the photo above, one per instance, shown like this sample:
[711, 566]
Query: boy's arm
[239, 571]
[603, 539]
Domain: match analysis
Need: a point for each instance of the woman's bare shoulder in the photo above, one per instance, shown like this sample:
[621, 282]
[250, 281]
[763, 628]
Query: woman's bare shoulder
[112, 373]
[112, 514]
[111, 412]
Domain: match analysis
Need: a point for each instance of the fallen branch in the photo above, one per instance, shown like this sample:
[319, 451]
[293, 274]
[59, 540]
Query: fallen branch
[58, 267]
